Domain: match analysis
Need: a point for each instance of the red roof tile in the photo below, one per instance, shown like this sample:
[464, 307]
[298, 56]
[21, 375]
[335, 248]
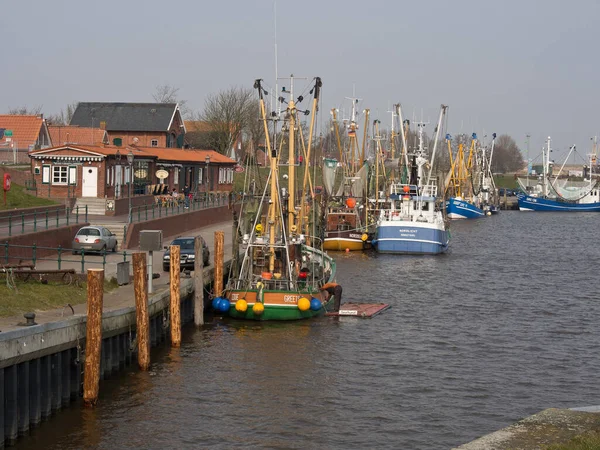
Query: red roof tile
[26, 129]
[72, 134]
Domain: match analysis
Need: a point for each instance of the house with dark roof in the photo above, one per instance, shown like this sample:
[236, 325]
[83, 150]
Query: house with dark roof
[21, 134]
[139, 124]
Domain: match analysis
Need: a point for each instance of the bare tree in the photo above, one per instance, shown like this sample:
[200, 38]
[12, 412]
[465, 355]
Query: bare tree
[169, 94]
[64, 116]
[507, 156]
[227, 114]
[25, 111]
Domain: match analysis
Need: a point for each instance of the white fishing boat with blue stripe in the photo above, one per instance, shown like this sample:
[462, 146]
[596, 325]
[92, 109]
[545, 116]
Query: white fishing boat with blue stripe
[412, 222]
[561, 194]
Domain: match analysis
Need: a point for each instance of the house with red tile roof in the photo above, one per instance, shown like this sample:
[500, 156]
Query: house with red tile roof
[21, 134]
[143, 124]
[79, 171]
[72, 134]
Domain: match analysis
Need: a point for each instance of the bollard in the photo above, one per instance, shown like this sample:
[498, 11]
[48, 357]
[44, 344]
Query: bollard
[219, 243]
[198, 282]
[93, 344]
[175, 297]
[140, 286]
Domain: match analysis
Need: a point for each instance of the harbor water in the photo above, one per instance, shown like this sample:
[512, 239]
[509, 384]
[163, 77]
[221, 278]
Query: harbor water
[502, 326]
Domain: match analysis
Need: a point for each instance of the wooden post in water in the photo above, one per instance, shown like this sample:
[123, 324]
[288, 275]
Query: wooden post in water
[140, 287]
[219, 255]
[198, 282]
[93, 342]
[505, 201]
[175, 297]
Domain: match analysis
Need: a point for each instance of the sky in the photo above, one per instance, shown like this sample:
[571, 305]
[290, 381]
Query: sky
[516, 67]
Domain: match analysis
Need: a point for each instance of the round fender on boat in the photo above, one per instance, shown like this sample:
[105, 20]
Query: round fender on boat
[258, 308]
[350, 202]
[315, 304]
[224, 305]
[241, 305]
[364, 237]
[215, 302]
[303, 304]
[489, 213]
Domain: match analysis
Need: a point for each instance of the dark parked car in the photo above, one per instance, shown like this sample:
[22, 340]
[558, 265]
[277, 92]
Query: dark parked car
[186, 253]
[95, 239]
[509, 192]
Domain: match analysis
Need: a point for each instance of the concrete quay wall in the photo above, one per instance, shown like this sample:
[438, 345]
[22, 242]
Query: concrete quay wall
[41, 366]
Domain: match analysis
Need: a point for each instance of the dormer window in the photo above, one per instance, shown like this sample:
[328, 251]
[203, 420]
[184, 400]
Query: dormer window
[154, 143]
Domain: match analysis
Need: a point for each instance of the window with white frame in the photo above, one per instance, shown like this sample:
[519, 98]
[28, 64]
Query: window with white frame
[45, 174]
[175, 175]
[60, 174]
[154, 143]
[221, 175]
[72, 175]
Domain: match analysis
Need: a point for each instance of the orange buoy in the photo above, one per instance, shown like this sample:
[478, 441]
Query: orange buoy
[350, 202]
[406, 189]
[347, 250]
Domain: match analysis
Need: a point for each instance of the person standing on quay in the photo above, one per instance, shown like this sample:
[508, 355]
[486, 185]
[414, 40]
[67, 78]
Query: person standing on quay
[186, 196]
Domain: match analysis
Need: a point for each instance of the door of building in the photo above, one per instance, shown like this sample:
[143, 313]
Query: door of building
[89, 182]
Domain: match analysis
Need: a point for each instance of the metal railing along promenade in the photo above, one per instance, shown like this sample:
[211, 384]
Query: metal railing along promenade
[21, 222]
[60, 258]
[157, 210]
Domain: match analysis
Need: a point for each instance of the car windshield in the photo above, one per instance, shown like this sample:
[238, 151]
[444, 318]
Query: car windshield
[187, 244]
[88, 232]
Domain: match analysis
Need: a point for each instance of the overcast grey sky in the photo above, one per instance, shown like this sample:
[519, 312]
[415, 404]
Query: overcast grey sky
[510, 66]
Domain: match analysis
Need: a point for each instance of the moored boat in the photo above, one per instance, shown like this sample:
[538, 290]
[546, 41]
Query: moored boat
[560, 195]
[411, 222]
[282, 269]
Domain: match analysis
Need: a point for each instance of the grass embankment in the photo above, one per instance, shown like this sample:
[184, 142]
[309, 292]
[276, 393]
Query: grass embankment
[32, 295]
[587, 441]
[19, 197]
[506, 181]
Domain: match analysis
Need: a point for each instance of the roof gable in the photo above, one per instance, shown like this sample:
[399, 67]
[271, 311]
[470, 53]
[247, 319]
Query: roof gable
[25, 129]
[125, 116]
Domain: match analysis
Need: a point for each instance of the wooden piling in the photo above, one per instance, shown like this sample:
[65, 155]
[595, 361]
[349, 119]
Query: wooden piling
[93, 343]
[175, 296]
[219, 256]
[140, 287]
[198, 282]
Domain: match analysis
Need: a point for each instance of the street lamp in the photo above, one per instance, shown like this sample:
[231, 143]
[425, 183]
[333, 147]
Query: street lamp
[118, 182]
[207, 160]
[130, 162]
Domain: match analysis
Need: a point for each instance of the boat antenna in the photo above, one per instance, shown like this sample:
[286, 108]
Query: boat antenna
[274, 97]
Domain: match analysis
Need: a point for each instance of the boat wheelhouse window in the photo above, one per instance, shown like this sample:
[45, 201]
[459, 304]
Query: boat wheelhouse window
[425, 206]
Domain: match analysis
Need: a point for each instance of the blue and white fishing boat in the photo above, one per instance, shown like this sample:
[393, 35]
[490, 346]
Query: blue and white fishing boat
[560, 194]
[411, 222]
[470, 189]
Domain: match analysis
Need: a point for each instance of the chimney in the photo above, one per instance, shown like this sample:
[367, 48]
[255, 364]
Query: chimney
[103, 124]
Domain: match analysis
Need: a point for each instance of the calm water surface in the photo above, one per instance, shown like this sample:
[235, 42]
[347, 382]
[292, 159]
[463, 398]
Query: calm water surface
[503, 326]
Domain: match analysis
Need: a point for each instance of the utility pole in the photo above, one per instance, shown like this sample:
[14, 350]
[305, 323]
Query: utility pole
[528, 162]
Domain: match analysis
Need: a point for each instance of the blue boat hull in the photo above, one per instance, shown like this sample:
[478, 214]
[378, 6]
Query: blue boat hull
[528, 203]
[410, 238]
[461, 209]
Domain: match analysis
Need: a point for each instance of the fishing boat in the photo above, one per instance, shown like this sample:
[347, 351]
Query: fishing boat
[559, 194]
[470, 189]
[282, 267]
[412, 222]
[345, 182]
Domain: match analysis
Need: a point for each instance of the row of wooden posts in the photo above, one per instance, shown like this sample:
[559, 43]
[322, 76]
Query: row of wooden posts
[95, 294]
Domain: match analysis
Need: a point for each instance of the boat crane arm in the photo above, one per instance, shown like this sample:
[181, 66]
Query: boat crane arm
[565, 162]
[403, 134]
[437, 135]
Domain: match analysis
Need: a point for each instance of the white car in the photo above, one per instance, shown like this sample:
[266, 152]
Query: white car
[94, 239]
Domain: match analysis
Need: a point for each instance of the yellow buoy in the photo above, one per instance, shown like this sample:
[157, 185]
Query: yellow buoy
[303, 304]
[364, 237]
[258, 308]
[241, 305]
[259, 228]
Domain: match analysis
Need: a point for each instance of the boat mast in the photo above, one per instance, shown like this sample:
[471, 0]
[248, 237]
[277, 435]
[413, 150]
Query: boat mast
[292, 159]
[546, 163]
[437, 135]
[316, 90]
[403, 135]
[337, 135]
[362, 153]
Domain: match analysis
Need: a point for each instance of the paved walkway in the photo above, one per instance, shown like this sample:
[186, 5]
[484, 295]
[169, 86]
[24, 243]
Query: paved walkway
[123, 296]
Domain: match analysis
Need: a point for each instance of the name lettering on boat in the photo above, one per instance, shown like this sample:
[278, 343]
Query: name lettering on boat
[291, 298]
[407, 233]
[352, 235]
[235, 297]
